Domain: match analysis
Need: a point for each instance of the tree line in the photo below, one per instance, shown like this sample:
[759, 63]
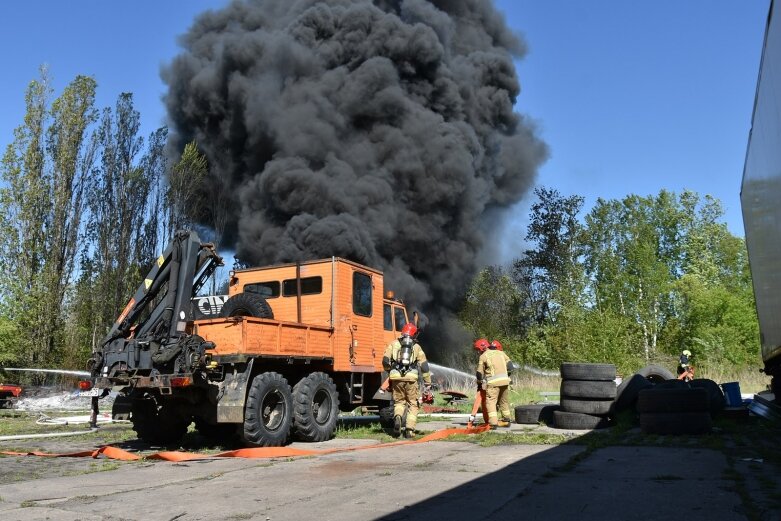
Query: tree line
[633, 281]
[86, 203]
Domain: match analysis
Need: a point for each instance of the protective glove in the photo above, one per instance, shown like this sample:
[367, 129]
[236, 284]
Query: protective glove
[471, 419]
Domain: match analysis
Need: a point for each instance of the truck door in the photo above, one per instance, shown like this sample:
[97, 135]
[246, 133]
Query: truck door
[363, 313]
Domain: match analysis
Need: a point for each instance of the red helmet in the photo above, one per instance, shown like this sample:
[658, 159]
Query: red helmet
[497, 345]
[481, 344]
[409, 329]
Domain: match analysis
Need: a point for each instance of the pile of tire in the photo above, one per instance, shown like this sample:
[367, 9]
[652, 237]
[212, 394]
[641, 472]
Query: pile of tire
[674, 407]
[587, 394]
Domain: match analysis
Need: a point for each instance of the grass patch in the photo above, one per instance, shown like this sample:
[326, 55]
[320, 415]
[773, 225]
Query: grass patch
[489, 439]
[372, 431]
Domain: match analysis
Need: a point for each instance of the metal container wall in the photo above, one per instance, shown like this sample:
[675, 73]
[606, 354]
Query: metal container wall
[761, 193]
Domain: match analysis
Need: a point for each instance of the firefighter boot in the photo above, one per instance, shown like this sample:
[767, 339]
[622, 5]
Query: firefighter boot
[503, 423]
[409, 433]
[397, 425]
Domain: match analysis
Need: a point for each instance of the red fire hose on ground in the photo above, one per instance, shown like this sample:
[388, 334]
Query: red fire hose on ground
[116, 453]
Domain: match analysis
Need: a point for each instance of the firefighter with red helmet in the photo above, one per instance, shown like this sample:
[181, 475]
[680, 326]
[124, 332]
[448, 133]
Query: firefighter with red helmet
[405, 361]
[493, 376]
[480, 345]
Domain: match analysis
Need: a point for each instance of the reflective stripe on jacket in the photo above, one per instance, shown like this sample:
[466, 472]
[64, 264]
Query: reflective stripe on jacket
[493, 366]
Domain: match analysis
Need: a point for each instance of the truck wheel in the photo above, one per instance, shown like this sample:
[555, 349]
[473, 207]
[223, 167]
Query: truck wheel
[158, 423]
[246, 305]
[315, 408]
[268, 412]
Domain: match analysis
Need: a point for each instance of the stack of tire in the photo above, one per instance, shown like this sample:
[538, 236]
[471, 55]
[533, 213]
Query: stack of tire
[587, 394]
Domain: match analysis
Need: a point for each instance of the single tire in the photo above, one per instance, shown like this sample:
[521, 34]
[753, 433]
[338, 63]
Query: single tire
[592, 407]
[657, 400]
[627, 391]
[246, 305]
[587, 389]
[592, 372]
[158, 422]
[386, 417]
[675, 422]
[577, 421]
[315, 408]
[715, 394]
[656, 373]
[535, 413]
[268, 412]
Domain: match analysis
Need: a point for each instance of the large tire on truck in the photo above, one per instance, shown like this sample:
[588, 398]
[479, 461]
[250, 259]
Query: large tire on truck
[158, 422]
[268, 412]
[315, 408]
[246, 305]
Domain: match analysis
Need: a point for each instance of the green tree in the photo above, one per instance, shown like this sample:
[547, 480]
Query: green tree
[42, 202]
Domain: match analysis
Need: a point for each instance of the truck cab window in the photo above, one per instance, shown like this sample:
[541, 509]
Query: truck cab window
[264, 289]
[309, 286]
[362, 294]
[401, 318]
[387, 317]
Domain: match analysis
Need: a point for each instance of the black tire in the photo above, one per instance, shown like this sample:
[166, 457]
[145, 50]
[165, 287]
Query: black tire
[246, 305]
[657, 400]
[627, 391]
[268, 412]
[158, 422]
[656, 373]
[535, 413]
[386, 417]
[593, 372]
[675, 422]
[315, 408]
[592, 407]
[587, 389]
[577, 421]
[715, 394]
[672, 384]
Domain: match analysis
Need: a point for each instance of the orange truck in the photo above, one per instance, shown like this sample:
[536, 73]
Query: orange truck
[293, 345]
[8, 395]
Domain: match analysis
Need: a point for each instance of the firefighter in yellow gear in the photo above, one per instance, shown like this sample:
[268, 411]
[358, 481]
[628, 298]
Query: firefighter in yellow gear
[493, 376]
[406, 362]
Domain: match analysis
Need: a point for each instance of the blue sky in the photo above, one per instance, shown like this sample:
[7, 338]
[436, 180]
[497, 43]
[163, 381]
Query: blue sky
[631, 97]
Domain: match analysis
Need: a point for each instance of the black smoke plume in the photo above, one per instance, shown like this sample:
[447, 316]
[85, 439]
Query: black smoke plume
[383, 132]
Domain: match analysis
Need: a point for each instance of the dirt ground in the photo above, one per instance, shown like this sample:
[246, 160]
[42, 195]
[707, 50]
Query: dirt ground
[616, 473]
